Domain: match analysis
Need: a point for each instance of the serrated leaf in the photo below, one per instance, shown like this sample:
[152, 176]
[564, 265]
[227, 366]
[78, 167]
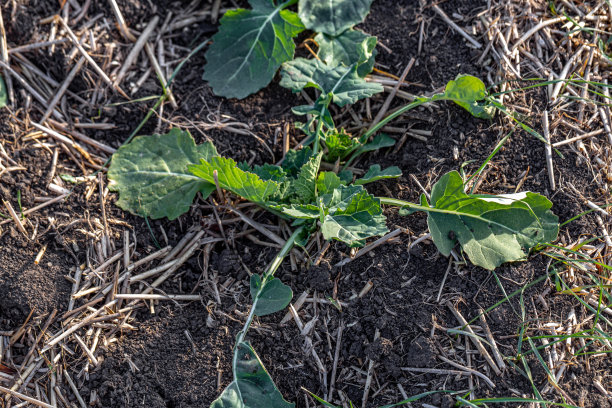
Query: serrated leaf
[333, 17]
[350, 47]
[152, 177]
[252, 386]
[295, 159]
[327, 182]
[275, 295]
[491, 230]
[3, 94]
[339, 145]
[232, 178]
[250, 47]
[304, 187]
[352, 215]
[300, 211]
[345, 85]
[467, 91]
[375, 173]
[270, 172]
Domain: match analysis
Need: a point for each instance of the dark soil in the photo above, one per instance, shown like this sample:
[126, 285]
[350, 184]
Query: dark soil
[180, 356]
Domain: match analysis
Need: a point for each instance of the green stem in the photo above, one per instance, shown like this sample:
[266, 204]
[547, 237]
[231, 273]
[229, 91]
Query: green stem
[317, 136]
[276, 262]
[401, 203]
[392, 116]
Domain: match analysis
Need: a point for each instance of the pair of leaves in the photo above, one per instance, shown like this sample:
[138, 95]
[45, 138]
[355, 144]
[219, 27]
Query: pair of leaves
[152, 177]
[490, 229]
[250, 47]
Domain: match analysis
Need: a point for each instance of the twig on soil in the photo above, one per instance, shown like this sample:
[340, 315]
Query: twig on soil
[455, 27]
[474, 338]
[371, 246]
[498, 357]
[135, 51]
[123, 29]
[26, 398]
[15, 218]
[391, 95]
[62, 90]
[469, 370]
[368, 382]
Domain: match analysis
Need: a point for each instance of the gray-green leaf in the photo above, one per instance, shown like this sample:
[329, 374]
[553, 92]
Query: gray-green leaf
[345, 85]
[250, 47]
[304, 187]
[467, 91]
[243, 183]
[374, 173]
[491, 229]
[252, 386]
[274, 296]
[350, 47]
[152, 177]
[333, 17]
[327, 182]
[352, 215]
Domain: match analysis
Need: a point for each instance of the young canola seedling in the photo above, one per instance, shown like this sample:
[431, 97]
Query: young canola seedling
[158, 176]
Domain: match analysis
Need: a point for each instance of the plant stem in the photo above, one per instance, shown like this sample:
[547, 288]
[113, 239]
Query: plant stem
[276, 262]
[392, 116]
[317, 137]
[401, 203]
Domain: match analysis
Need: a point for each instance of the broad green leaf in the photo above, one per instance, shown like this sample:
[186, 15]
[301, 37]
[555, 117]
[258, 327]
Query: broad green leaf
[339, 145]
[275, 295]
[295, 159]
[3, 94]
[327, 182]
[353, 215]
[333, 17]
[350, 47]
[345, 85]
[252, 386]
[245, 184]
[304, 187]
[374, 173]
[466, 91]
[250, 47]
[380, 141]
[152, 177]
[491, 230]
[270, 172]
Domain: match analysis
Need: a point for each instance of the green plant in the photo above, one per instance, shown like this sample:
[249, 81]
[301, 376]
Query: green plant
[158, 176]
[252, 44]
